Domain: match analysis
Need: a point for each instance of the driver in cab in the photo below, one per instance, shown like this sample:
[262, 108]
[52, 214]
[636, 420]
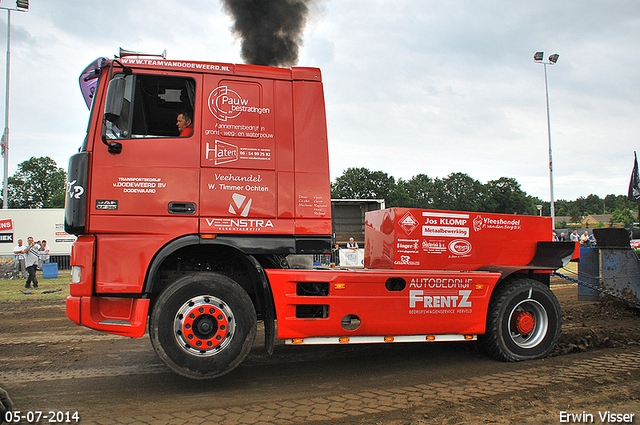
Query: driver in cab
[185, 124]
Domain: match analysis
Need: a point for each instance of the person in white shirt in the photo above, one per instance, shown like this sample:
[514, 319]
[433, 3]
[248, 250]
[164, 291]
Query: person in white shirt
[30, 252]
[43, 254]
[574, 236]
[18, 251]
[352, 244]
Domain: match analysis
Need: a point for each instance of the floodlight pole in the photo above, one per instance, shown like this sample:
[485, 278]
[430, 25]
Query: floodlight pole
[20, 6]
[552, 60]
[5, 136]
[553, 213]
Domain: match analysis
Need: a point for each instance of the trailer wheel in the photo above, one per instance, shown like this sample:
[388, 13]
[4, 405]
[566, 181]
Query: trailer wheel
[203, 325]
[524, 321]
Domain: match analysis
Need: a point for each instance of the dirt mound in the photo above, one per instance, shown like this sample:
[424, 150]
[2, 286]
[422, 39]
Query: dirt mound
[608, 323]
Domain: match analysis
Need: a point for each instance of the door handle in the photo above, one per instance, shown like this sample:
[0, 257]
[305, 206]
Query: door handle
[182, 208]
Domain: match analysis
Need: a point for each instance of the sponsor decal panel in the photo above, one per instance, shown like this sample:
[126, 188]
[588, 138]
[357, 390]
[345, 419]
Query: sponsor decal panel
[226, 103]
[446, 231]
[178, 64]
[409, 246]
[434, 246]
[106, 204]
[139, 185]
[480, 223]
[240, 111]
[408, 223]
[447, 219]
[237, 193]
[440, 295]
[406, 260]
[240, 205]
[231, 181]
[240, 224]
[445, 224]
[73, 190]
[315, 205]
[223, 153]
[460, 248]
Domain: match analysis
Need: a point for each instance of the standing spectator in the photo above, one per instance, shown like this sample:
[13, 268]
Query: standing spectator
[30, 252]
[352, 244]
[574, 236]
[584, 239]
[19, 252]
[43, 254]
[336, 254]
[562, 237]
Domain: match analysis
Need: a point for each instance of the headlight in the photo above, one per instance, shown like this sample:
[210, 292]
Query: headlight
[76, 273]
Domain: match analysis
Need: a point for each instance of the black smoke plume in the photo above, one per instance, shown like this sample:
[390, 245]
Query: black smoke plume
[271, 30]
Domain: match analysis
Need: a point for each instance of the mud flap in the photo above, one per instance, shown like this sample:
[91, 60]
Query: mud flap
[269, 332]
[553, 255]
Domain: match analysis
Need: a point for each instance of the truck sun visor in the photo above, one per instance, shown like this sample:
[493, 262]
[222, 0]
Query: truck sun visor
[89, 79]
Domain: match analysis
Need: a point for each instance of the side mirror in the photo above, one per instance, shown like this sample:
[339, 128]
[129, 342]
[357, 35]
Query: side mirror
[115, 98]
[113, 107]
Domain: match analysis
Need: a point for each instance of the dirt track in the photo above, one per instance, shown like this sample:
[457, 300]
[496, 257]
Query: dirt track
[47, 363]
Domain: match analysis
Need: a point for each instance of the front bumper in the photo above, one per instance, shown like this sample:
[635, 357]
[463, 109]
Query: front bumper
[118, 316]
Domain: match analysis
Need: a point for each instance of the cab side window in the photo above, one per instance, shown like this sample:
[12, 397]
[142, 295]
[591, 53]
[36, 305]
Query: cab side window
[151, 105]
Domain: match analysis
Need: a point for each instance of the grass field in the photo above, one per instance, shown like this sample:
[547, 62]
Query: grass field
[10, 290]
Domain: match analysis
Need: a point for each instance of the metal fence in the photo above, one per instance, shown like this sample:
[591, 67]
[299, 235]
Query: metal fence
[64, 261]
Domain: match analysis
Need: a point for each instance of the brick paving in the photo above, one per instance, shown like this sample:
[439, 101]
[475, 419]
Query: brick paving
[374, 401]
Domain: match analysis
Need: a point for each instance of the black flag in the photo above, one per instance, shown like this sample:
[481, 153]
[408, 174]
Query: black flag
[634, 184]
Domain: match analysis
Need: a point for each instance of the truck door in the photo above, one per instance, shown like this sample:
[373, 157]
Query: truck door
[144, 176]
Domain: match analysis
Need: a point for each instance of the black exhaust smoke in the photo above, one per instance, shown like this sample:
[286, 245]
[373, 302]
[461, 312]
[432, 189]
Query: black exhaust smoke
[271, 30]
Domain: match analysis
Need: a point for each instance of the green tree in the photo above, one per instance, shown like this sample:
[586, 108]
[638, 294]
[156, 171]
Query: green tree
[618, 202]
[561, 207]
[457, 192]
[38, 183]
[624, 215]
[592, 204]
[505, 196]
[574, 213]
[419, 190]
[360, 183]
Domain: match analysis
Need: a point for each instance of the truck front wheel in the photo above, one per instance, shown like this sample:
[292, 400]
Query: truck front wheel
[203, 325]
[524, 321]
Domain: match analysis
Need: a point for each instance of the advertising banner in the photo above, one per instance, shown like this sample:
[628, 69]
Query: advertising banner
[352, 258]
[402, 238]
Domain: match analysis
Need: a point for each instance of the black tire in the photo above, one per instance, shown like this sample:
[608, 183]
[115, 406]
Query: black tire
[203, 325]
[524, 321]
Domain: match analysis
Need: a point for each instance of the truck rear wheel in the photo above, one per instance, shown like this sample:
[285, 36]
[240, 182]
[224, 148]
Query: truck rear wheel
[524, 321]
[203, 325]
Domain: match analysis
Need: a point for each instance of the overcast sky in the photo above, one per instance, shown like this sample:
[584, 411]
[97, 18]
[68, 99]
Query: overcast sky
[411, 86]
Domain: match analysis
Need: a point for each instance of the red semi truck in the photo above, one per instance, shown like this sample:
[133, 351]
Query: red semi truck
[193, 236]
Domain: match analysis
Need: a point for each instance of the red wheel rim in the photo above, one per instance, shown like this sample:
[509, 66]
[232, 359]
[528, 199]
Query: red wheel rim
[204, 325]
